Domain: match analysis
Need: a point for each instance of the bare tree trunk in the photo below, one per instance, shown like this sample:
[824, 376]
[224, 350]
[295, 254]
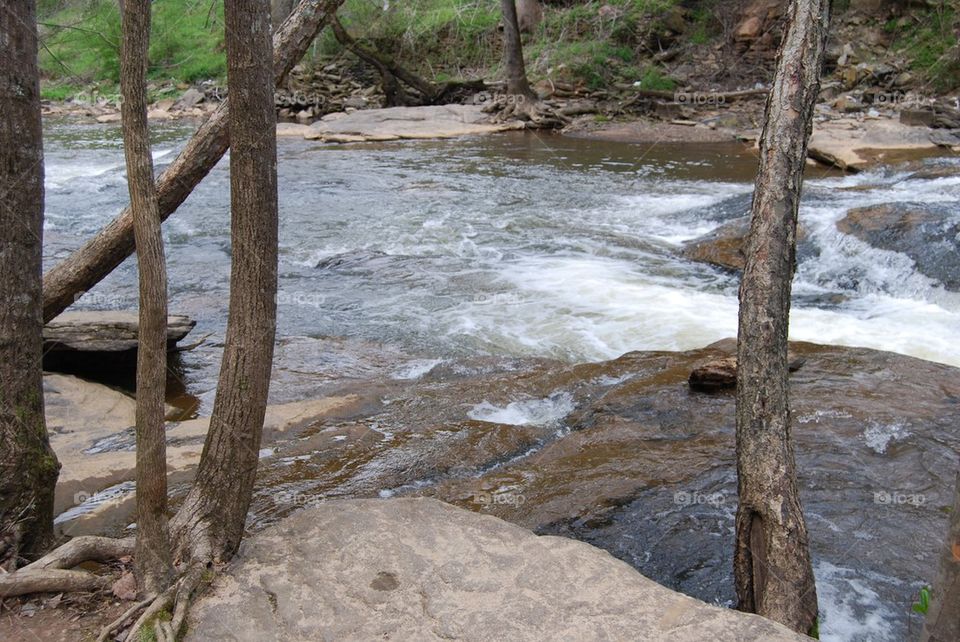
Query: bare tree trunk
[28, 466]
[279, 10]
[772, 568]
[529, 15]
[153, 564]
[211, 520]
[86, 267]
[513, 52]
[943, 618]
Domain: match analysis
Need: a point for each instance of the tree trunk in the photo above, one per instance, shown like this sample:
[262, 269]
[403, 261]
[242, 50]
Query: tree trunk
[86, 267]
[517, 84]
[943, 618]
[772, 567]
[280, 9]
[153, 565]
[28, 466]
[211, 520]
[529, 15]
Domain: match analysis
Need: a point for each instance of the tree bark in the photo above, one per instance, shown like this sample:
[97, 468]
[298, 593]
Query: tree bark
[772, 568]
[517, 84]
[153, 565]
[86, 267]
[28, 466]
[279, 10]
[943, 618]
[212, 517]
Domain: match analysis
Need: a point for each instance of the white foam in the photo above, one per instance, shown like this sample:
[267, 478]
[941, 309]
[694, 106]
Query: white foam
[849, 610]
[530, 412]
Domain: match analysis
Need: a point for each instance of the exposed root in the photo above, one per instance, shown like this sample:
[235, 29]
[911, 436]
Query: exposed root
[82, 549]
[121, 621]
[51, 574]
[533, 113]
[24, 582]
[176, 600]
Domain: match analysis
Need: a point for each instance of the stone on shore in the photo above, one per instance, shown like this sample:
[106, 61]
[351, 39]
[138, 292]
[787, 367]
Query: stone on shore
[854, 146]
[396, 123]
[420, 569]
[107, 331]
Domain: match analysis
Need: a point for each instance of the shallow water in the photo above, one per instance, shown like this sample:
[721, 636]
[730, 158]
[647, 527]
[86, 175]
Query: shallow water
[404, 256]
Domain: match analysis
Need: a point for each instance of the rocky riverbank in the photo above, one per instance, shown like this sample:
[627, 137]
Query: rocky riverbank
[620, 454]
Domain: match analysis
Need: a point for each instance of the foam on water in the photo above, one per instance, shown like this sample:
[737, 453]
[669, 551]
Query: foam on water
[529, 412]
[850, 611]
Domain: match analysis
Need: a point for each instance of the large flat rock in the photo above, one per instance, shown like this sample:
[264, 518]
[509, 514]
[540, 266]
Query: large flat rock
[854, 145]
[395, 123]
[419, 569]
[109, 331]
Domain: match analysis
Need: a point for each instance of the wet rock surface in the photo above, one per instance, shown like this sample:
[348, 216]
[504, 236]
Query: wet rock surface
[927, 233]
[421, 569]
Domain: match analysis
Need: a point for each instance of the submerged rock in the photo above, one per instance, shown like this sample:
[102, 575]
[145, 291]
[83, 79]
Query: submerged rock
[419, 569]
[927, 233]
[724, 246]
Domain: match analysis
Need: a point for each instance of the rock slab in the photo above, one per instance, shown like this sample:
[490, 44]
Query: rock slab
[104, 331]
[396, 123]
[420, 569]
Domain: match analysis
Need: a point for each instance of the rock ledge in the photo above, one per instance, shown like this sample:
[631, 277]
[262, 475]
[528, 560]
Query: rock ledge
[419, 569]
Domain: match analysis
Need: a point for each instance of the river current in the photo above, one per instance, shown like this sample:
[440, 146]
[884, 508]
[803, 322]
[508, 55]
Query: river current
[405, 255]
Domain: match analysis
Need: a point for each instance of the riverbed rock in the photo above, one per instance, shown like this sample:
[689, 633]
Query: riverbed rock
[395, 123]
[927, 233]
[854, 146]
[723, 247]
[104, 331]
[419, 569]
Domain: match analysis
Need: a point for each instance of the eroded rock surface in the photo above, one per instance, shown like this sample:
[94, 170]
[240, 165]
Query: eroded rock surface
[395, 123]
[419, 569]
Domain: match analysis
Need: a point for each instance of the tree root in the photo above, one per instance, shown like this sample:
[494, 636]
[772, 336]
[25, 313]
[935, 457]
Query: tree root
[175, 599]
[51, 574]
[533, 113]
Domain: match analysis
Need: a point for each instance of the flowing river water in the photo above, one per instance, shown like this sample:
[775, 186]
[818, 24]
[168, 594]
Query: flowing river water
[399, 258]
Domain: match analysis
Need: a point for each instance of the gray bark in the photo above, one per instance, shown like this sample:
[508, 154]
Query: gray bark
[153, 564]
[943, 618]
[212, 517]
[28, 466]
[517, 83]
[114, 243]
[772, 568]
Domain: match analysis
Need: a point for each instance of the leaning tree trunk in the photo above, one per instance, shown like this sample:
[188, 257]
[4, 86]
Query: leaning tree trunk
[86, 267]
[28, 466]
[153, 564]
[517, 84]
[943, 618]
[772, 567]
[210, 523]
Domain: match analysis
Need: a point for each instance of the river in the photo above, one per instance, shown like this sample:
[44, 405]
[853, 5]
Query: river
[401, 256]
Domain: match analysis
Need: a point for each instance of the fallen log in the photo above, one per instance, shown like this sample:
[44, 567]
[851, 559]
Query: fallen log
[87, 266]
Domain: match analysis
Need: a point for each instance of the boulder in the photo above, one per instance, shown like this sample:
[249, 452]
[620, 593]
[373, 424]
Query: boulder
[723, 247]
[420, 569]
[395, 123]
[104, 331]
[927, 233]
[190, 99]
[853, 146]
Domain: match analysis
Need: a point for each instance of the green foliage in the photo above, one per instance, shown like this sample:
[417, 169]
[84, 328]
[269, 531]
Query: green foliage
[922, 605]
[930, 44]
[815, 630]
[81, 41]
[653, 79]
